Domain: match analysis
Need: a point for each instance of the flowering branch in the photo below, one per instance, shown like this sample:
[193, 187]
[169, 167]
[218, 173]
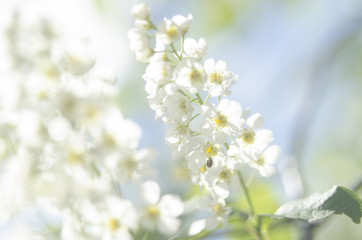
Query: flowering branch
[227, 139]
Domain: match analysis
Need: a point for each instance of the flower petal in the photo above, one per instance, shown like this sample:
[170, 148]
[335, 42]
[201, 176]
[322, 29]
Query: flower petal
[150, 192]
[171, 205]
[255, 121]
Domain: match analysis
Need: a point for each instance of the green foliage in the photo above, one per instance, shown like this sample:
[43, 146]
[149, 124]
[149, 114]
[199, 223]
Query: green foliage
[338, 200]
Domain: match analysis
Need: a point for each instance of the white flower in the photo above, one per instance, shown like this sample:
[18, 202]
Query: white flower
[178, 106]
[195, 49]
[159, 72]
[141, 10]
[183, 22]
[205, 162]
[161, 213]
[138, 40]
[190, 75]
[77, 59]
[157, 93]
[59, 129]
[170, 30]
[116, 132]
[130, 164]
[178, 138]
[222, 121]
[142, 24]
[252, 140]
[120, 217]
[143, 55]
[219, 212]
[263, 162]
[219, 78]
[31, 129]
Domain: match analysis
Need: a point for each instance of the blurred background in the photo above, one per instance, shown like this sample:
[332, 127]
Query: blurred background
[299, 65]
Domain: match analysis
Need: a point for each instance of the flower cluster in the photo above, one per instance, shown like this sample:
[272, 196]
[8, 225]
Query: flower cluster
[213, 134]
[65, 145]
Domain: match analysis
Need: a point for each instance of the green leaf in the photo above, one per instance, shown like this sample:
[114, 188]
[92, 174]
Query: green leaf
[338, 200]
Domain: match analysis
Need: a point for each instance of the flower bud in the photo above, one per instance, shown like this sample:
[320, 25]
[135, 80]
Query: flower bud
[141, 11]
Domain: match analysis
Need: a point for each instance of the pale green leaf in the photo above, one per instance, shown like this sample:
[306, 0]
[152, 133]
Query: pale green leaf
[338, 200]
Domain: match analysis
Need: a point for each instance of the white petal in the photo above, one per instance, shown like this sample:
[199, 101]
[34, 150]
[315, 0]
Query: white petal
[271, 154]
[266, 170]
[196, 227]
[150, 192]
[222, 190]
[208, 110]
[235, 183]
[209, 65]
[195, 160]
[211, 222]
[171, 205]
[168, 225]
[220, 66]
[255, 121]
[263, 138]
[219, 137]
[230, 108]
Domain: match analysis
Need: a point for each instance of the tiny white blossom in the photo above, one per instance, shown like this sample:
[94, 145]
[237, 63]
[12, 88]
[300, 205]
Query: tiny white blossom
[141, 10]
[119, 217]
[78, 58]
[159, 72]
[178, 138]
[205, 162]
[219, 78]
[195, 49]
[190, 75]
[219, 212]
[138, 39]
[263, 162]
[178, 106]
[252, 139]
[183, 22]
[222, 121]
[170, 30]
[161, 213]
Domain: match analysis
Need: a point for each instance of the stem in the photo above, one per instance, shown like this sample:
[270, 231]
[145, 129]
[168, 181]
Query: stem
[207, 99]
[227, 146]
[218, 100]
[193, 118]
[182, 46]
[251, 178]
[199, 98]
[145, 236]
[152, 26]
[174, 50]
[245, 189]
[132, 234]
[257, 226]
[185, 94]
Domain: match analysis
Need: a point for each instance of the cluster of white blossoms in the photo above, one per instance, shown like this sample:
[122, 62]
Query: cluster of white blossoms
[214, 135]
[65, 145]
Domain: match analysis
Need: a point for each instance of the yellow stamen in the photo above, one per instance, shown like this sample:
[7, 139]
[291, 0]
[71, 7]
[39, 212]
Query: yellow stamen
[217, 209]
[260, 161]
[215, 78]
[153, 212]
[211, 150]
[75, 157]
[172, 32]
[247, 136]
[195, 75]
[221, 120]
[112, 224]
[225, 175]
